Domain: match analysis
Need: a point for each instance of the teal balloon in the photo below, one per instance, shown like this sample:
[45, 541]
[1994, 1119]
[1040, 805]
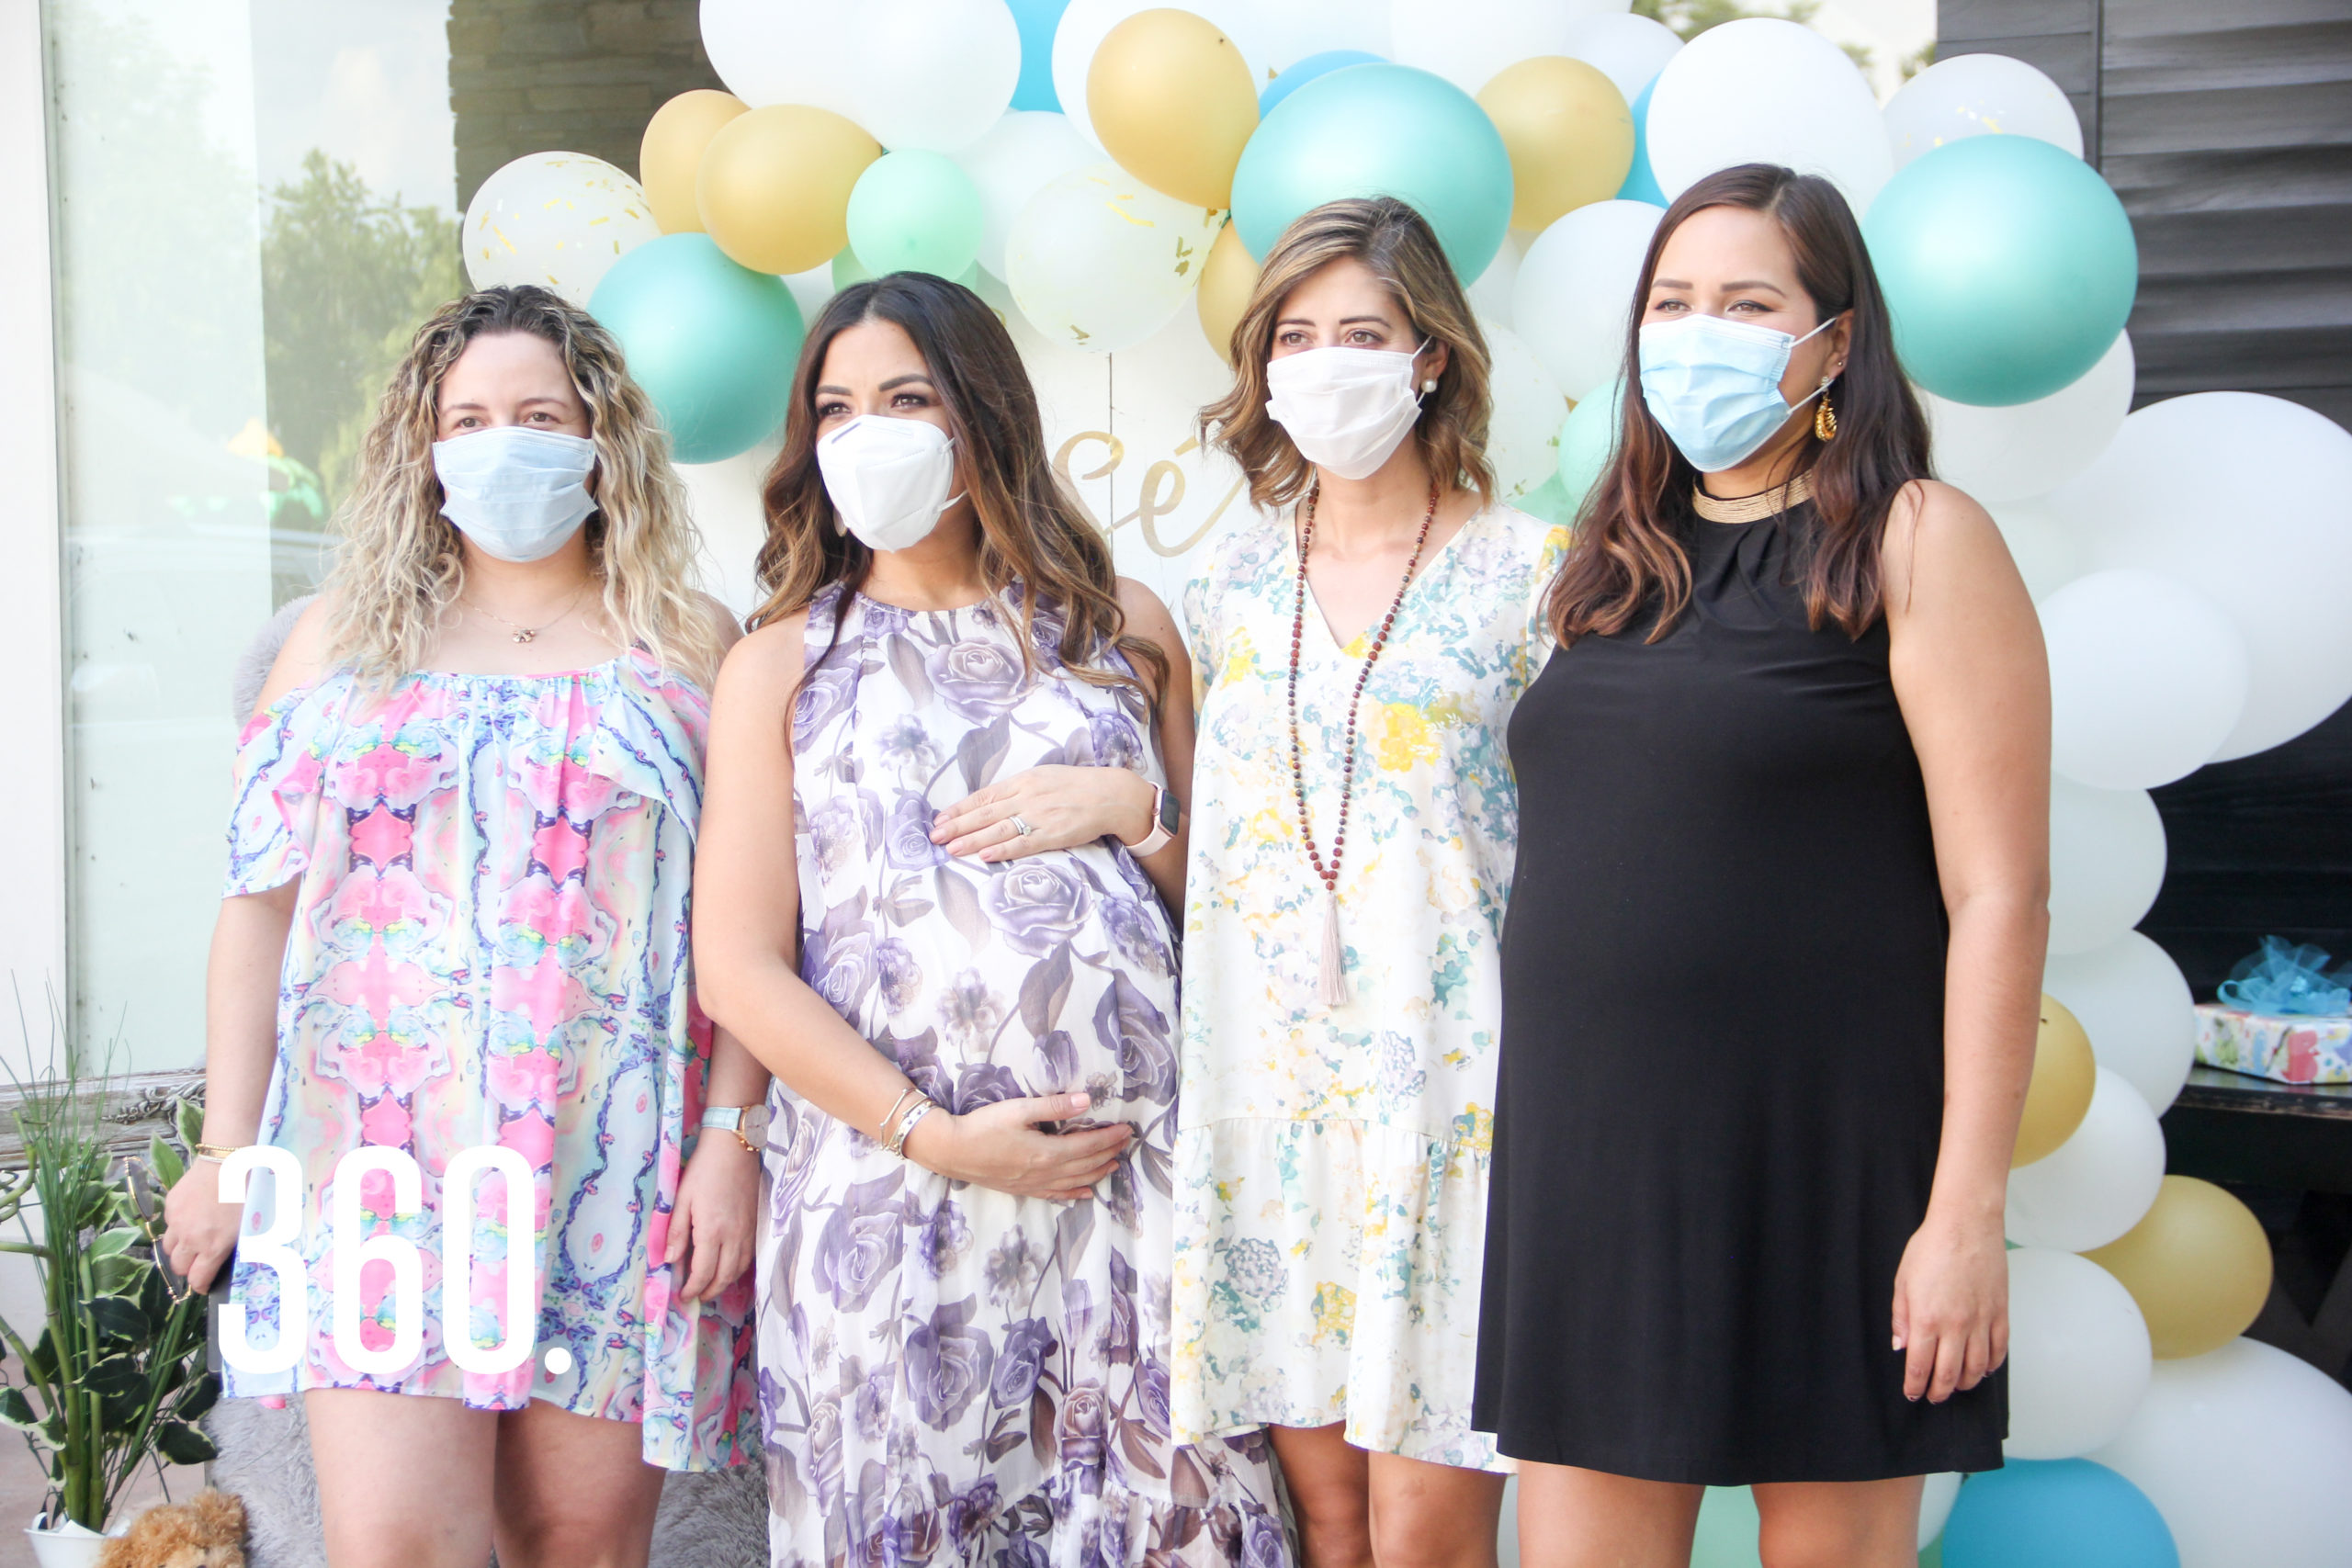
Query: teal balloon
[1305, 70]
[1037, 20]
[1641, 183]
[2062, 1513]
[1726, 1534]
[1587, 438]
[713, 343]
[915, 212]
[2007, 265]
[1379, 130]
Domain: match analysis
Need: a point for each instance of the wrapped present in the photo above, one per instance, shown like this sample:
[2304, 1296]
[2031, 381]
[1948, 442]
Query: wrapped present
[2282, 1015]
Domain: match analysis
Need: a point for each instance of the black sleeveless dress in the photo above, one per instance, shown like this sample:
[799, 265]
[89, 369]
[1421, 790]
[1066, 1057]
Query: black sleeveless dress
[1722, 1066]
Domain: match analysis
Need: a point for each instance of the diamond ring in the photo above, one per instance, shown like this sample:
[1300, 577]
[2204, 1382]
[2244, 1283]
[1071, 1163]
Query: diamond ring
[1021, 828]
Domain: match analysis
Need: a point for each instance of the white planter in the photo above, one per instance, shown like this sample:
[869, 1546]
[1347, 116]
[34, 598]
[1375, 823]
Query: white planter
[70, 1546]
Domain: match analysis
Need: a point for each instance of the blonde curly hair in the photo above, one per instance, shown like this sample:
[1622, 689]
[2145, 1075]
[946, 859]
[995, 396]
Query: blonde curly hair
[399, 569]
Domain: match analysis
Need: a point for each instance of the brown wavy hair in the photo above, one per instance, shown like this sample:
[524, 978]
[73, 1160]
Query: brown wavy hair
[1032, 531]
[1401, 249]
[397, 567]
[1628, 560]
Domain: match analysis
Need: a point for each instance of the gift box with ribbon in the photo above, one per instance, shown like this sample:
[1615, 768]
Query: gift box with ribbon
[2282, 1015]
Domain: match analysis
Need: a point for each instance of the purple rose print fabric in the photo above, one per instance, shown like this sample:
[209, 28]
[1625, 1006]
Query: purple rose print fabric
[950, 1374]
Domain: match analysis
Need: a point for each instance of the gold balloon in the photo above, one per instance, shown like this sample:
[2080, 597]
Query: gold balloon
[774, 182]
[1228, 277]
[2199, 1265]
[1568, 131]
[1173, 101]
[2064, 1073]
[671, 153]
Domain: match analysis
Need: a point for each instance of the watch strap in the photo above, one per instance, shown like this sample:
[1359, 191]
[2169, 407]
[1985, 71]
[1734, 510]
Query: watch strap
[1166, 813]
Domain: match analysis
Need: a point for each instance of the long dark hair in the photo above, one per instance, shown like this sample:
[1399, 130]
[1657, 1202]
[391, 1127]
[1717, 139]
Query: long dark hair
[1031, 530]
[1628, 561]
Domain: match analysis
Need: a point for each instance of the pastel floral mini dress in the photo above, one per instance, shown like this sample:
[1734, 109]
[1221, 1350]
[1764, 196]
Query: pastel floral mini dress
[1332, 1174]
[951, 1374]
[490, 948]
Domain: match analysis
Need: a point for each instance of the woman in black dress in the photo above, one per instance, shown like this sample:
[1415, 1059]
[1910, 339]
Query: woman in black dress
[1775, 941]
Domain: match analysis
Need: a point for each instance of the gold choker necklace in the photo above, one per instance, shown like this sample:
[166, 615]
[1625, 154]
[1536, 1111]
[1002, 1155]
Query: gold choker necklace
[1752, 508]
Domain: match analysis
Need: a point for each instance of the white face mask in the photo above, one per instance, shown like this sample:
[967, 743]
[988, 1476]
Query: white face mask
[515, 493]
[1345, 409]
[888, 478]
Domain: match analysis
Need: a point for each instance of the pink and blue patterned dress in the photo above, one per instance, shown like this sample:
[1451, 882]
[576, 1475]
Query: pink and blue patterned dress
[950, 1374]
[489, 947]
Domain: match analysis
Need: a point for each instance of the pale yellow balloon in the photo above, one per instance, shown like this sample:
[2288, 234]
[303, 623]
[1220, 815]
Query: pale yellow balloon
[2064, 1073]
[2199, 1265]
[1228, 277]
[773, 187]
[1171, 98]
[1568, 131]
[671, 156]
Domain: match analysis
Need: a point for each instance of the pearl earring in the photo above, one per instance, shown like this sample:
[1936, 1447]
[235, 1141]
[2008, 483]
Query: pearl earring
[1429, 386]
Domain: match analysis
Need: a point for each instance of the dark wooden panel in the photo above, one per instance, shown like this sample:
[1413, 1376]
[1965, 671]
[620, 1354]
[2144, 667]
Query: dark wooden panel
[2235, 181]
[2068, 59]
[2264, 242]
[2253, 57]
[2288, 114]
[2128, 19]
[1966, 20]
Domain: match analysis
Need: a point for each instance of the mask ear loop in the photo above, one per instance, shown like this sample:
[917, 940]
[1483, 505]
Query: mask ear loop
[1428, 384]
[1825, 380]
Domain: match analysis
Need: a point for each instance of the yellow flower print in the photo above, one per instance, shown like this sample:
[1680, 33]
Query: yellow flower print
[1475, 1130]
[1404, 738]
[1240, 657]
[1335, 1312]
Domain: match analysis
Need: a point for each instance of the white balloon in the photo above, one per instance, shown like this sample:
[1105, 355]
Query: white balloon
[2079, 1357]
[1765, 91]
[1287, 31]
[2130, 999]
[1099, 261]
[1626, 49]
[1017, 159]
[934, 75]
[1466, 41]
[1575, 290]
[1979, 94]
[558, 219]
[2244, 1451]
[2047, 553]
[2106, 863]
[1085, 23]
[1490, 296]
[783, 51]
[2028, 449]
[1935, 1498]
[1523, 435]
[2250, 498]
[2096, 1184]
[2146, 677]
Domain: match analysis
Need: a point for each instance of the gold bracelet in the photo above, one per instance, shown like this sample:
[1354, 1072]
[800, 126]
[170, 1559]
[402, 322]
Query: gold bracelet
[882, 1128]
[216, 1152]
[915, 1113]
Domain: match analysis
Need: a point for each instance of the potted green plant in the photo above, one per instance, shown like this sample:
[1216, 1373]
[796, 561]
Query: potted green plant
[115, 1377]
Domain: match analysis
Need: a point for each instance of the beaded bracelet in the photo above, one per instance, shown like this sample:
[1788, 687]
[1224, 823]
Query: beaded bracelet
[915, 1113]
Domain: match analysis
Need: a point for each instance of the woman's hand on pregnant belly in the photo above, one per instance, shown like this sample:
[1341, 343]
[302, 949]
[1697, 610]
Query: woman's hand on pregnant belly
[1951, 1306]
[1063, 806]
[1002, 1146]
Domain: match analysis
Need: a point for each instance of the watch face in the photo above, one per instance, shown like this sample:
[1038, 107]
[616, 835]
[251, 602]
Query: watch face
[755, 1126]
[1172, 810]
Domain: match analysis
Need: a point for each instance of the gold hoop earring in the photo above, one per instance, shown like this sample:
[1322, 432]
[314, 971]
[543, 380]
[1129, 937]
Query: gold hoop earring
[1825, 418]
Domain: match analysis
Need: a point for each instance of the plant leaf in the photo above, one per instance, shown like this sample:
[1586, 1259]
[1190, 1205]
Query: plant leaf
[42, 1363]
[165, 1160]
[113, 1243]
[116, 1374]
[188, 1119]
[119, 1318]
[183, 1444]
[17, 1410]
[201, 1395]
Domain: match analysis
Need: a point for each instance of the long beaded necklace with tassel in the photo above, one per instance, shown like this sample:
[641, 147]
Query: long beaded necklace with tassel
[1334, 979]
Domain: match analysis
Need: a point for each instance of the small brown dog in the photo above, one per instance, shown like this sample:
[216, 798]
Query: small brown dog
[206, 1532]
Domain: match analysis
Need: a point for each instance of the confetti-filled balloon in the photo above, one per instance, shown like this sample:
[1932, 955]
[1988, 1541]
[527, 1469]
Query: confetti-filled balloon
[558, 219]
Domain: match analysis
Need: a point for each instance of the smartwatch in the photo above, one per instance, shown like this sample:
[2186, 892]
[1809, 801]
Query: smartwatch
[748, 1122]
[1167, 813]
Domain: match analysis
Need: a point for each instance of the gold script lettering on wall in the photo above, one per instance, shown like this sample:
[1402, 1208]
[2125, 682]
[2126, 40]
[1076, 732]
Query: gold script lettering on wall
[1162, 490]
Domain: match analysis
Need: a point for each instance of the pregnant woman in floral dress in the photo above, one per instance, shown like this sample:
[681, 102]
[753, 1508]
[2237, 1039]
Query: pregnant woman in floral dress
[940, 845]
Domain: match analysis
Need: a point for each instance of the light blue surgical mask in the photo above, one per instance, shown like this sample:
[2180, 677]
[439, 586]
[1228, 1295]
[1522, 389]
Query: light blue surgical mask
[1714, 385]
[518, 493]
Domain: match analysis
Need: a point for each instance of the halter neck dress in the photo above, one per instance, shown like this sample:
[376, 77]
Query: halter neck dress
[1721, 1065]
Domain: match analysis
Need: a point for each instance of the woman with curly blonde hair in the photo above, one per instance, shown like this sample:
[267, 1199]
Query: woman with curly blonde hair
[1357, 651]
[454, 946]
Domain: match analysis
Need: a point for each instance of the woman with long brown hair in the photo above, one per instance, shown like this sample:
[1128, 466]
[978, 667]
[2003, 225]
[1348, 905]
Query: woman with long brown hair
[454, 926]
[1358, 649]
[944, 835]
[1771, 968]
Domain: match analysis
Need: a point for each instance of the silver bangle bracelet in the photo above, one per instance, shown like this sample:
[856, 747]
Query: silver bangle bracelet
[915, 1113]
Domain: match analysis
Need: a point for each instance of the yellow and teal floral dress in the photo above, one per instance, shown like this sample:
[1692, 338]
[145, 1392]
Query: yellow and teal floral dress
[1332, 1162]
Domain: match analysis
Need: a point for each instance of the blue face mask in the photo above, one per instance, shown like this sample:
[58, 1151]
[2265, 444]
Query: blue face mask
[1714, 385]
[517, 493]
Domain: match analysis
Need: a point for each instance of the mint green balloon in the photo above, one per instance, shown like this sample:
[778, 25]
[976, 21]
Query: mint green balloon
[1726, 1534]
[1379, 130]
[2008, 267]
[1587, 436]
[713, 343]
[915, 212]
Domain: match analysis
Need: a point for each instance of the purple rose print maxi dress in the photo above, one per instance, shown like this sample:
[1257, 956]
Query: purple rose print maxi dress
[950, 1374]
